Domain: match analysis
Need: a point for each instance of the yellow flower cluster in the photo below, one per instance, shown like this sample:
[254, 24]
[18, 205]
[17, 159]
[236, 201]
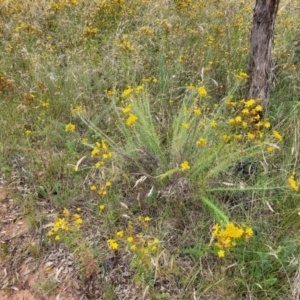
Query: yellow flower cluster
[102, 151]
[241, 76]
[185, 166]
[70, 127]
[126, 45]
[59, 5]
[227, 238]
[102, 191]
[202, 91]
[185, 125]
[248, 121]
[77, 109]
[64, 224]
[131, 90]
[131, 120]
[90, 31]
[127, 92]
[202, 142]
[292, 182]
[129, 239]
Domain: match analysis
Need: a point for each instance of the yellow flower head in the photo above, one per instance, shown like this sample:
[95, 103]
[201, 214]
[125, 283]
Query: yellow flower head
[277, 135]
[221, 253]
[250, 103]
[233, 231]
[202, 142]
[185, 125]
[131, 120]
[126, 109]
[112, 244]
[202, 91]
[130, 239]
[127, 92]
[250, 135]
[78, 110]
[120, 233]
[213, 124]
[197, 111]
[70, 127]
[185, 166]
[133, 247]
[293, 183]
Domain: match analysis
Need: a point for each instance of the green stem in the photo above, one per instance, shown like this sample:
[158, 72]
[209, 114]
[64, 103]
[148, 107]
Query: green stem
[216, 210]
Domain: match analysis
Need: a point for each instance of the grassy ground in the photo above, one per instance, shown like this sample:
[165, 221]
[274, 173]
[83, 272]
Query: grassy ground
[127, 140]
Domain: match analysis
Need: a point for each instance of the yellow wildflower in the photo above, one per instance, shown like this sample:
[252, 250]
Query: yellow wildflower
[78, 109]
[221, 253]
[131, 120]
[126, 109]
[250, 135]
[112, 244]
[120, 233]
[95, 151]
[66, 213]
[248, 233]
[202, 91]
[233, 231]
[293, 183]
[250, 103]
[202, 142]
[99, 164]
[185, 166]
[241, 76]
[238, 119]
[245, 111]
[277, 135]
[110, 93]
[130, 239]
[102, 192]
[213, 124]
[139, 88]
[185, 125]
[101, 206]
[70, 127]
[238, 136]
[50, 233]
[226, 138]
[133, 247]
[231, 121]
[258, 108]
[197, 111]
[127, 92]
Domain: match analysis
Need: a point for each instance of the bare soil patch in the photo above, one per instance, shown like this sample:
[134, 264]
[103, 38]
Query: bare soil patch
[25, 273]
